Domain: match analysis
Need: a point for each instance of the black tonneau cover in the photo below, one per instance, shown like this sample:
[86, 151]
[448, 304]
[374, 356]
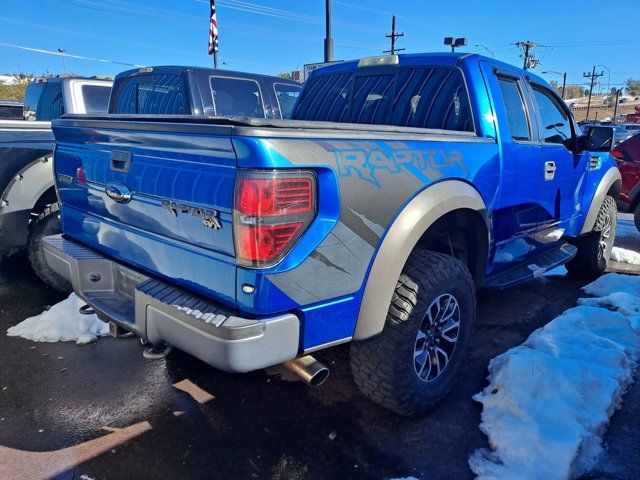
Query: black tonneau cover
[255, 126]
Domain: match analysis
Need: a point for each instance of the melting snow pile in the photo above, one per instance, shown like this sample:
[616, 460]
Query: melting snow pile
[549, 400]
[623, 255]
[62, 322]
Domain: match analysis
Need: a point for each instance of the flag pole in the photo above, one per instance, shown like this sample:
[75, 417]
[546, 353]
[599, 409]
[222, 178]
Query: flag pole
[213, 33]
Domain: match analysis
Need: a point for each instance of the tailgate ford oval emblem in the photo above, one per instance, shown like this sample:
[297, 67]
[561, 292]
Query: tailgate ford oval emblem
[118, 191]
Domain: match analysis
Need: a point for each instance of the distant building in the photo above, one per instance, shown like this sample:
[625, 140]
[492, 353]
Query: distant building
[8, 79]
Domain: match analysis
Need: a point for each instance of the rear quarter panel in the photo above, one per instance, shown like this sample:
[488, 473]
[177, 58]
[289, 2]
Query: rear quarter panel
[363, 185]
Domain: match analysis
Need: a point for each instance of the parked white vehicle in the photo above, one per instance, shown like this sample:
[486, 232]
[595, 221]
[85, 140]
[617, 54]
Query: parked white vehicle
[28, 201]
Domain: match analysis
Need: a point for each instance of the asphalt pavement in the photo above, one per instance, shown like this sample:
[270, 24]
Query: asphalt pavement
[102, 411]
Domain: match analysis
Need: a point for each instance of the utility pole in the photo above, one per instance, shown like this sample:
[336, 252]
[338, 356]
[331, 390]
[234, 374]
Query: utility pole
[615, 108]
[530, 60]
[328, 41]
[593, 76]
[393, 37]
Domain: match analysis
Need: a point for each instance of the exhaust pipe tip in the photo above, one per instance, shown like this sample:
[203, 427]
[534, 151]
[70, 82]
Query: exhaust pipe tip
[309, 370]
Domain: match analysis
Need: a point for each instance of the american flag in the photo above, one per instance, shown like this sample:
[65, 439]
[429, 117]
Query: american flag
[213, 29]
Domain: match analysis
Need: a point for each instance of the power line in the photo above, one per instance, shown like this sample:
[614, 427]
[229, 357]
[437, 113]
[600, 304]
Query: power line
[284, 14]
[69, 55]
[129, 9]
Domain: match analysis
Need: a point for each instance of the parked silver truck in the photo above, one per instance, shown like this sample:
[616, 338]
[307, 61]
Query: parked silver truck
[28, 201]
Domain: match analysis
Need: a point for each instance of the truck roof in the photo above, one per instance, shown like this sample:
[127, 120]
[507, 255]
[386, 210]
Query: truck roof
[211, 71]
[446, 59]
[61, 78]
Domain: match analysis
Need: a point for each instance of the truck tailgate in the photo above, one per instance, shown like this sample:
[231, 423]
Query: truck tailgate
[158, 196]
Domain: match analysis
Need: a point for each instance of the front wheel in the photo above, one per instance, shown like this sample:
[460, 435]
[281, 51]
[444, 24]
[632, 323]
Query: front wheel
[636, 217]
[410, 366]
[594, 248]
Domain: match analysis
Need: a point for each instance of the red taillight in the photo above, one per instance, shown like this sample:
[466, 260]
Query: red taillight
[275, 196]
[266, 242]
[272, 210]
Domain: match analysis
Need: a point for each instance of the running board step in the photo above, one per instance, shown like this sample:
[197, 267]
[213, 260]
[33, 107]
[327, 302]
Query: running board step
[531, 268]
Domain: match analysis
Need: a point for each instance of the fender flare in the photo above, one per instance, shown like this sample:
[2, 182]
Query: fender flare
[401, 238]
[608, 180]
[28, 185]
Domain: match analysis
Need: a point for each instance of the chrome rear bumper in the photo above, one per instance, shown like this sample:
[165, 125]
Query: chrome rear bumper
[161, 312]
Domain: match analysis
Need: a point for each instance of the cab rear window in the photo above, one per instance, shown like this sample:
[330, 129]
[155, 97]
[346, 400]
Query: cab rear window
[236, 96]
[412, 97]
[150, 94]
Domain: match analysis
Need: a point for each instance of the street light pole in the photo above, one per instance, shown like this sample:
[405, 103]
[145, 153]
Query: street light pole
[328, 41]
[62, 52]
[491, 52]
[608, 77]
[615, 108]
[564, 79]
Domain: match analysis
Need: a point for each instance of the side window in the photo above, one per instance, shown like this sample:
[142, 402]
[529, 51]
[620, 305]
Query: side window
[514, 105]
[372, 99]
[287, 94]
[432, 98]
[96, 98]
[235, 96]
[324, 98]
[556, 123]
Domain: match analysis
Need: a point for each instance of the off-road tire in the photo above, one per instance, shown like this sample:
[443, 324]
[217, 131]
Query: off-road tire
[45, 224]
[589, 263]
[636, 217]
[383, 366]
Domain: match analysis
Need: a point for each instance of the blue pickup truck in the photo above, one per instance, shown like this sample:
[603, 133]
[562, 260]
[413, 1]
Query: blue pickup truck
[402, 184]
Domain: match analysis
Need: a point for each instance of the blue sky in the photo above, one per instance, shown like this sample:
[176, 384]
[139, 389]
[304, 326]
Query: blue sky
[280, 35]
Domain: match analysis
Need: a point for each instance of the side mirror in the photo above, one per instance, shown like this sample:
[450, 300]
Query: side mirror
[598, 139]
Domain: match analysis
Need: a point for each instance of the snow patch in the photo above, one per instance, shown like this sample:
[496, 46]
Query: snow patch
[62, 322]
[623, 255]
[550, 399]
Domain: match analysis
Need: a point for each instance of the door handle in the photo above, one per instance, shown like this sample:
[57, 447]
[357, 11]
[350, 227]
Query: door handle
[120, 161]
[549, 170]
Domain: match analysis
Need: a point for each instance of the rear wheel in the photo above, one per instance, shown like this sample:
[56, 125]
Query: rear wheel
[594, 248]
[636, 217]
[410, 366]
[47, 223]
